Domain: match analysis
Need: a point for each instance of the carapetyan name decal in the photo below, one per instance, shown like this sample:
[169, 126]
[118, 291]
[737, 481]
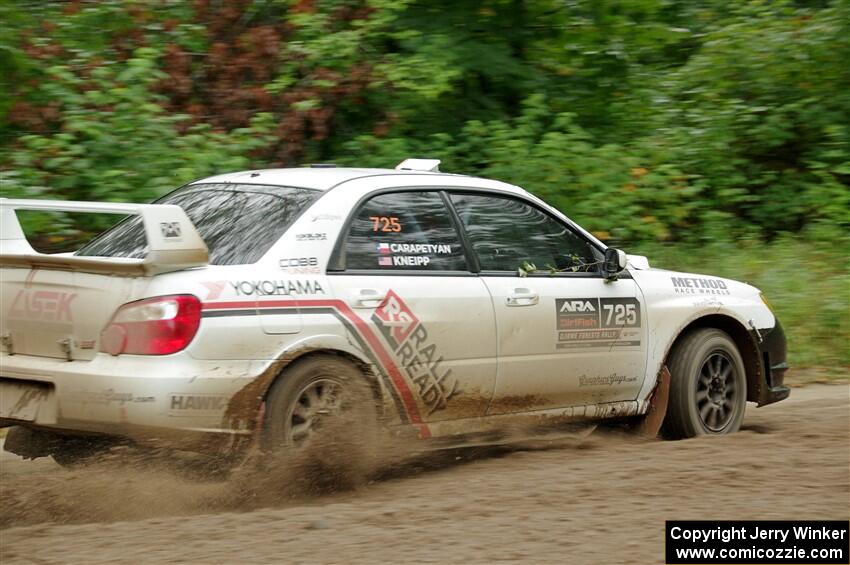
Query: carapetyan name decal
[411, 345]
[411, 248]
[597, 322]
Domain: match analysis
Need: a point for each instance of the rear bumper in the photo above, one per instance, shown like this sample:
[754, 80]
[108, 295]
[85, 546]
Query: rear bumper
[773, 352]
[173, 400]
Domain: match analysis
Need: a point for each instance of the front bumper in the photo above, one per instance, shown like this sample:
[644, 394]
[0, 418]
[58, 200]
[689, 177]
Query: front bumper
[773, 356]
[171, 400]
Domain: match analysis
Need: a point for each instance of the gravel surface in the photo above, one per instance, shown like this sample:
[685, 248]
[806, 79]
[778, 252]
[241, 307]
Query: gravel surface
[604, 500]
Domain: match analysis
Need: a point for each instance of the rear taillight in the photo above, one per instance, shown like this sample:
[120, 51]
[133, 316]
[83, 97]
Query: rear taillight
[154, 326]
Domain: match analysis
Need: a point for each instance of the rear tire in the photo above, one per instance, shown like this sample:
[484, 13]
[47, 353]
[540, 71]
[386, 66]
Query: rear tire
[322, 416]
[708, 388]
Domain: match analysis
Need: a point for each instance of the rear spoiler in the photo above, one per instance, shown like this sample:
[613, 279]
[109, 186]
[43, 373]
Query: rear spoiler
[173, 242]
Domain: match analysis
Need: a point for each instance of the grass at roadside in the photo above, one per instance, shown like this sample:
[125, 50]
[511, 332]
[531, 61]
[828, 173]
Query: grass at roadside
[807, 284]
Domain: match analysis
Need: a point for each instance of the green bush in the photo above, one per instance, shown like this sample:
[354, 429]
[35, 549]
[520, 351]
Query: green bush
[664, 124]
[115, 142]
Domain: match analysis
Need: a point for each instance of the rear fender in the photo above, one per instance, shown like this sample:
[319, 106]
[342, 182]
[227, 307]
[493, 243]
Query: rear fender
[246, 406]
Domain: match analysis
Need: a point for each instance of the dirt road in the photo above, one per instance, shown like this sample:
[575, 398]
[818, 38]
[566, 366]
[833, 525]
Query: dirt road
[603, 501]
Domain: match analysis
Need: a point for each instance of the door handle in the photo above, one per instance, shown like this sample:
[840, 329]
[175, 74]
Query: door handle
[368, 297]
[522, 297]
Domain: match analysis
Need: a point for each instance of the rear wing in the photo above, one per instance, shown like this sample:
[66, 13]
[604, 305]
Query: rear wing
[173, 243]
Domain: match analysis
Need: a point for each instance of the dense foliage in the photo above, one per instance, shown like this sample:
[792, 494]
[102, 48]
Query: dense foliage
[644, 119]
[648, 121]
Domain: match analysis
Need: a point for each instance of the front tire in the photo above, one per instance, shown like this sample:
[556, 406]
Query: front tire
[708, 388]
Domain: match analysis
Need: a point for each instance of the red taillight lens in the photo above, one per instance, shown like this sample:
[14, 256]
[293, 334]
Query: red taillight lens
[154, 326]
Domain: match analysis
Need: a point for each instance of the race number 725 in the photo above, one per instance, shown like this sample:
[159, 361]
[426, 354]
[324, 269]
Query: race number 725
[620, 313]
[385, 223]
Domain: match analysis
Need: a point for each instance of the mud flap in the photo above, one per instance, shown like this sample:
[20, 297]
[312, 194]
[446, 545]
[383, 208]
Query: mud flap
[651, 423]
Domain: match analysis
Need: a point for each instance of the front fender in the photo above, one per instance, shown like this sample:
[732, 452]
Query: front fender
[675, 301]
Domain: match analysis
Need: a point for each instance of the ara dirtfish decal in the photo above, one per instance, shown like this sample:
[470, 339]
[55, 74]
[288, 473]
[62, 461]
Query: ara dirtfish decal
[597, 322]
[415, 352]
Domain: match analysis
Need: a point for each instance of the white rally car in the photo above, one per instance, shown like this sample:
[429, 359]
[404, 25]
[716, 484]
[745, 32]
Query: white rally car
[239, 308]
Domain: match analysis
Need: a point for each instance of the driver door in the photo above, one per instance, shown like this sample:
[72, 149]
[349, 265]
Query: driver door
[567, 338]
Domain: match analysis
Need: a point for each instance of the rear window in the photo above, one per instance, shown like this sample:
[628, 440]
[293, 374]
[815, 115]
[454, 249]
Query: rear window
[239, 223]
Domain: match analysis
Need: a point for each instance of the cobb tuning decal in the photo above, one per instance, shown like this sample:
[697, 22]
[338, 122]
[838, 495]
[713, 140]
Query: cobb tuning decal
[300, 265]
[597, 322]
[417, 354]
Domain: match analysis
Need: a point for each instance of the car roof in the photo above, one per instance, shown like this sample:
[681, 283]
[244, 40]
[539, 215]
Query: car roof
[326, 177]
[317, 178]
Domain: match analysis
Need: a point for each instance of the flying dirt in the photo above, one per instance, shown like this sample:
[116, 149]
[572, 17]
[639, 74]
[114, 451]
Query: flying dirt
[604, 499]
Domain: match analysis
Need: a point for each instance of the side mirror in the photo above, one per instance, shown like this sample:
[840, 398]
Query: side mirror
[615, 262]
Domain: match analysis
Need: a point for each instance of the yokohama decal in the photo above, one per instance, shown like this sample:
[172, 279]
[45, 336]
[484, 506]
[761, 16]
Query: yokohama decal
[400, 391]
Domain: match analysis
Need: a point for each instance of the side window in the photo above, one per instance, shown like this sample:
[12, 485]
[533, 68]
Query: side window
[506, 232]
[404, 231]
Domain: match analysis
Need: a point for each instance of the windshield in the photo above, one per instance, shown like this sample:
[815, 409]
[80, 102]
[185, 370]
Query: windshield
[238, 222]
